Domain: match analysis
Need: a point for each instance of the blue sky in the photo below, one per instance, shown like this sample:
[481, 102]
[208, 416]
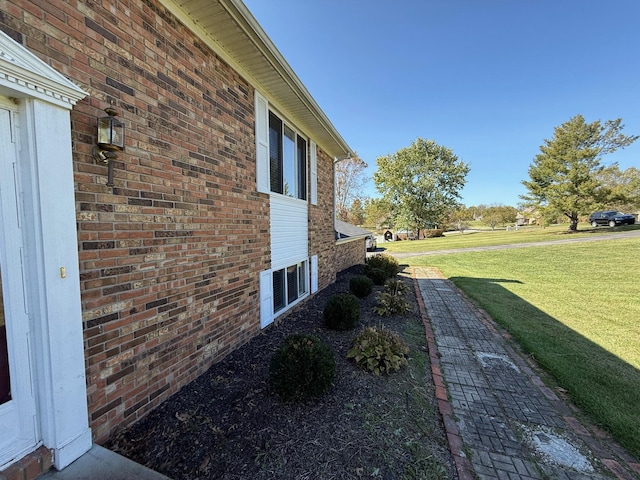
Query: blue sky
[489, 79]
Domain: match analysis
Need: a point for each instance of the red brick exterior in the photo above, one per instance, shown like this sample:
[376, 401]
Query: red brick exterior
[170, 256]
[349, 254]
[29, 467]
[321, 228]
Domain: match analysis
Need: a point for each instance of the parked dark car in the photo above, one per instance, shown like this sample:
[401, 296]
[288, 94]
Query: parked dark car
[611, 218]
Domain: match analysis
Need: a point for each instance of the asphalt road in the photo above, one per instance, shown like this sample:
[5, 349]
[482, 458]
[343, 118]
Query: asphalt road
[594, 238]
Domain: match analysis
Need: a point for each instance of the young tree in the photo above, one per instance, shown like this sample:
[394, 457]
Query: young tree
[422, 182]
[491, 218]
[564, 175]
[499, 215]
[349, 179]
[356, 212]
[377, 213]
[459, 218]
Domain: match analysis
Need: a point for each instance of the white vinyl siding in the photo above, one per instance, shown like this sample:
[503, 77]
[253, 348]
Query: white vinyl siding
[289, 231]
[283, 172]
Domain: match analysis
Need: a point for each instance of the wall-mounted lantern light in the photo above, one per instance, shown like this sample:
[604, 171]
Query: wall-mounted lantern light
[110, 141]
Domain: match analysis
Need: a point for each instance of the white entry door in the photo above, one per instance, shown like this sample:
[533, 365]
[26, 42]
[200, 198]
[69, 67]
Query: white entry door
[18, 425]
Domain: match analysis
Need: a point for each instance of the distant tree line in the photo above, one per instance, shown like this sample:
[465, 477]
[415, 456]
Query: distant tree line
[420, 185]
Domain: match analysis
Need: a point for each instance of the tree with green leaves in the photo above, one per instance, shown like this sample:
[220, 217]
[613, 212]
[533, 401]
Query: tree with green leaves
[356, 212]
[422, 182]
[476, 211]
[499, 215]
[459, 218]
[564, 176]
[624, 186]
[378, 213]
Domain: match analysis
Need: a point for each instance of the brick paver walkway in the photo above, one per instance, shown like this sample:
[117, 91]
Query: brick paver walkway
[501, 420]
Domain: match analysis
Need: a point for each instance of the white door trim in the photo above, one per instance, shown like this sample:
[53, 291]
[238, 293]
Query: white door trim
[44, 99]
[18, 415]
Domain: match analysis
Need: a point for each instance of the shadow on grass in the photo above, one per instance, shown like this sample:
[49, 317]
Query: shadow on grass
[603, 385]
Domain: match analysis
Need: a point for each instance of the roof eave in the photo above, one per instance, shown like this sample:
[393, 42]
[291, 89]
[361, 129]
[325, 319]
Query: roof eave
[262, 63]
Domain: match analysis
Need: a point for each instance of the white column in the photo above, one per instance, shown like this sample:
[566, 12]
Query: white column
[53, 271]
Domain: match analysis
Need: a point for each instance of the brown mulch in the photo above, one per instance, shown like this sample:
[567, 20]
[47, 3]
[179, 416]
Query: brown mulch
[228, 424]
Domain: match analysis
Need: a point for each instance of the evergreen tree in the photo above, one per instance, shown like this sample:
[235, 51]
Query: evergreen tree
[564, 176]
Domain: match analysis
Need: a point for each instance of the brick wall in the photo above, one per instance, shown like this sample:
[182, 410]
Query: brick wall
[321, 227]
[170, 256]
[29, 467]
[349, 254]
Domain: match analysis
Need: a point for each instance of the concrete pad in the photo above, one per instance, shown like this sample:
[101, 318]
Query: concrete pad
[102, 464]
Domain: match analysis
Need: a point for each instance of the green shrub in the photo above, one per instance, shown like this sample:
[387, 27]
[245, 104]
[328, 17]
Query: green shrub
[377, 275]
[388, 264]
[303, 368]
[378, 350]
[433, 233]
[342, 312]
[360, 286]
[390, 304]
[396, 287]
[392, 300]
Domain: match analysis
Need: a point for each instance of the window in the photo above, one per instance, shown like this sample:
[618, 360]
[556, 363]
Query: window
[279, 288]
[287, 159]
[289, 284]
[302, 168]
[281, 156]
[275, 153]
[292, 284]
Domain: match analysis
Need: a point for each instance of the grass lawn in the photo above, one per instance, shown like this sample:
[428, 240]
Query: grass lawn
[575, 308]
[499, 237]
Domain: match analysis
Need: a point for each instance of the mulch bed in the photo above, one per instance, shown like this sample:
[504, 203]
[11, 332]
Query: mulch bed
[228, 424]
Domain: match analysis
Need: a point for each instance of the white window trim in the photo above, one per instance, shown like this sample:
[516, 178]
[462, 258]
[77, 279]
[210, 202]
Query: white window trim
[313, 173]
[266, 299]
[314, 274]
[263, 181]
[267, 314]
[262, 143]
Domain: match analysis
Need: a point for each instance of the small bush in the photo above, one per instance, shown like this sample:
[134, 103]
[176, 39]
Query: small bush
[388, 264]
[433, 233]
[396, 287]
[390, 304]
[360, 286]
[378, 350]
[303, 368]
[392, 301]
[377, 275]
[342, 312]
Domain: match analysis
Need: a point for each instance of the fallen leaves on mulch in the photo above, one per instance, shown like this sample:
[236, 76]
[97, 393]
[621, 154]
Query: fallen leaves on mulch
[227, 424]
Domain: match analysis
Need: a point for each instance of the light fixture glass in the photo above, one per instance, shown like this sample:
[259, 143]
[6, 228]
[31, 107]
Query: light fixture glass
[110, 132]
[110, 141]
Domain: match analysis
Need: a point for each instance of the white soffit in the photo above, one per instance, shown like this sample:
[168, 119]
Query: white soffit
[21, 71]
[232, 32]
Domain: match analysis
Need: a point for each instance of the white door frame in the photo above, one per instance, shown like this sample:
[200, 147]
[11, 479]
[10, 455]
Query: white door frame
[44, 99]
[18, 415]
